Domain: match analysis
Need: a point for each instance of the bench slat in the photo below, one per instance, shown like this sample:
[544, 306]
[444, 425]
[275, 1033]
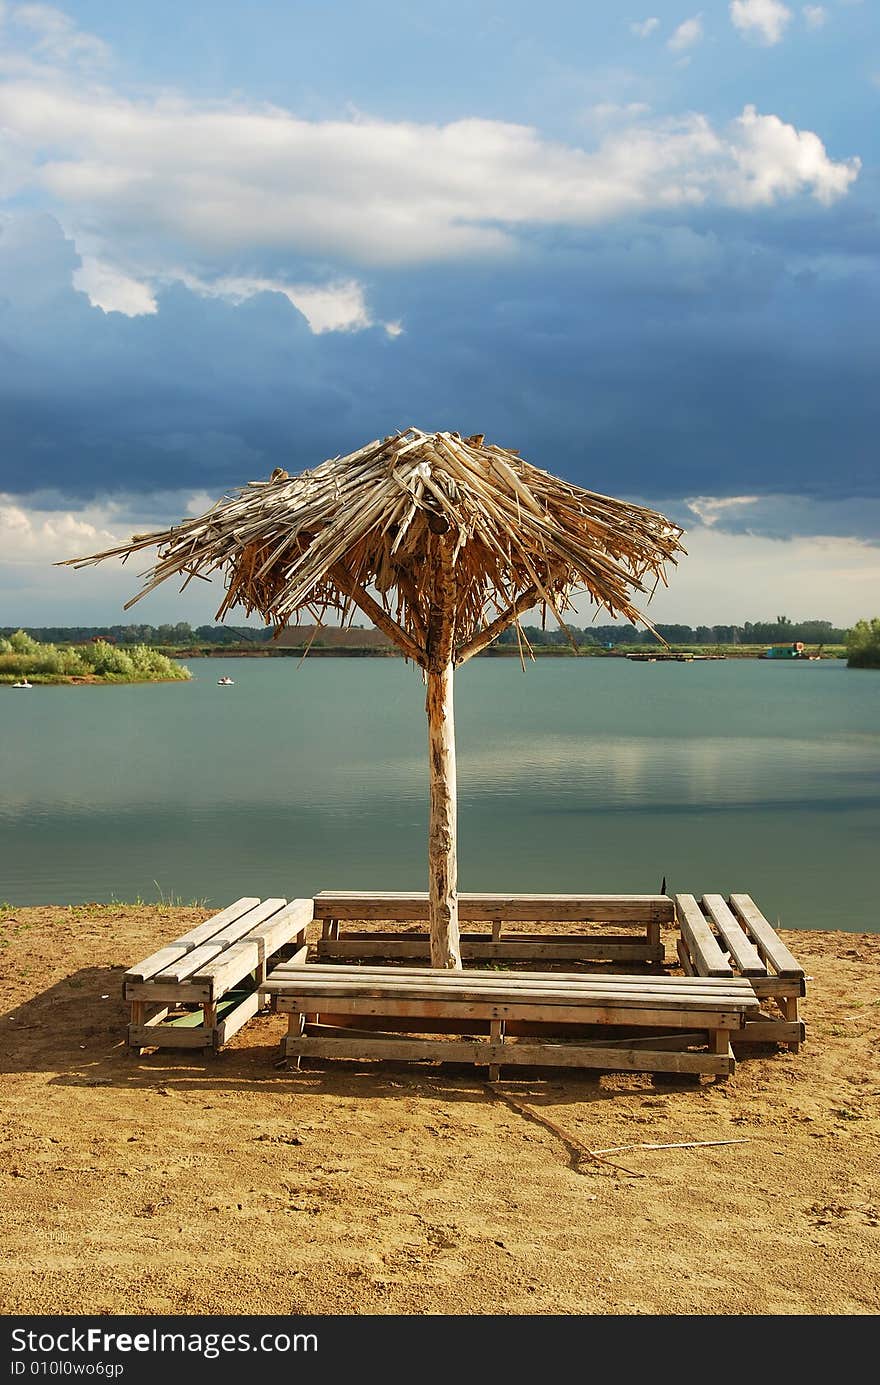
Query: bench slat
[287, 971]
[731, 1016]
[250, 952]
[487, 1052]
[412, 906]
[230, 966]
[282, 927]
[187, 942]
[193, 961]
[744, 953]
[706, 955]
[630, 997]
[765, 937]
[476, 947]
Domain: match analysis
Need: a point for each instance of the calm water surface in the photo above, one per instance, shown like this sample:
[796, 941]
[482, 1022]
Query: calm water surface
[579, 775]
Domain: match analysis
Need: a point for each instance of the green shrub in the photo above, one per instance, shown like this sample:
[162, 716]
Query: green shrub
[20, 643]
[21, 656]
[106, 658]
[863, 644]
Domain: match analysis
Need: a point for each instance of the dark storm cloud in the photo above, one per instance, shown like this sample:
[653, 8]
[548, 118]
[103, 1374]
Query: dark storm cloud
[644, 360]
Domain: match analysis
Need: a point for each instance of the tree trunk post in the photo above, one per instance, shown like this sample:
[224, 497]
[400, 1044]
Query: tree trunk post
[442, 835]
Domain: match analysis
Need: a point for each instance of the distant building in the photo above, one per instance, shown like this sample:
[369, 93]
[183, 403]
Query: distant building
[332, 637]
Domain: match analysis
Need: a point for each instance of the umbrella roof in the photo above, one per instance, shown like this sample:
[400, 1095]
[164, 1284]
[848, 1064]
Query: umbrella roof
[419, 519]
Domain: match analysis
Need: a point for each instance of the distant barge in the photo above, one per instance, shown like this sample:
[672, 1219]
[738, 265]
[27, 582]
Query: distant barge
[668, 657]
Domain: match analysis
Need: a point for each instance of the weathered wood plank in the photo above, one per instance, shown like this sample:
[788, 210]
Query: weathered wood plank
[224, 971]
[412, 907]
[765, 987]
[232, 1022]
[143, 1036]
[185, 993]
[221, 971]
[703, 949]
[282, 927]
[476, 976]
[485, 1053]
[684, 958]
[673, 1000]
[764, 936]
[159, 1014]
[778, 987]
[744, 953]
[771, 1031]
[731, 1016]
[187, 942]
[641, 1035]
[329, 979]
[194, 961]
[513, 948]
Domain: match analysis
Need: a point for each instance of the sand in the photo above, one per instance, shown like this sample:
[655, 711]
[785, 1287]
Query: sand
[175, 1184]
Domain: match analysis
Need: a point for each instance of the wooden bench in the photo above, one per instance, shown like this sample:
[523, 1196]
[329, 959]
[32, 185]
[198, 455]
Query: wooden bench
[197, 991]
[733, 938]
[618, 1023]
[643, 914]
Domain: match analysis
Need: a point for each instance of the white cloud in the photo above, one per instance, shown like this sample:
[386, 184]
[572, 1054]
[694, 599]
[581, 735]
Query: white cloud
[775, 160]
[709, 509]
[37, 532]
[643, 28]
[55, 37]
[334, 307]
[29, 535]
[815, 16]
[339, 306]
[164, 177]
[763, 20]
[687, 34]
[113, 291]
[782, 516]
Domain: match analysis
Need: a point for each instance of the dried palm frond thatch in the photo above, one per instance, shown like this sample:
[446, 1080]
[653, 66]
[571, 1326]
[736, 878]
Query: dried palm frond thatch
[456, 537]
[390, 516]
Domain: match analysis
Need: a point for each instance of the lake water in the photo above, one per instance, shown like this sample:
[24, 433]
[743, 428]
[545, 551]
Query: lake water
[587, 775]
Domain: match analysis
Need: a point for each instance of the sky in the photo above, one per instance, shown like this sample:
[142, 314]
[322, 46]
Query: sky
[638, 243]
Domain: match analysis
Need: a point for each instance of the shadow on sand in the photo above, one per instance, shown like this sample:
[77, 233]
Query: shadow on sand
[75, 1033]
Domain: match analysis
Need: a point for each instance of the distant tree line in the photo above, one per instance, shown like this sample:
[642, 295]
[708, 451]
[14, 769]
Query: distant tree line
[780, 631]
[180, 634]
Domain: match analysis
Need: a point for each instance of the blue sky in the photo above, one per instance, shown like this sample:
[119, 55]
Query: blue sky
[639, 244]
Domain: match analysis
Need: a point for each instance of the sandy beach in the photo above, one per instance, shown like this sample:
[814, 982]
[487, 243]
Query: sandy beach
[173, 1184]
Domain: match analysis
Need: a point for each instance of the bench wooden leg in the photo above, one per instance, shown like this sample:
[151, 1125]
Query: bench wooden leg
[209, 1022]
[137, 1016]
[329, 933]
[496, 1036]
[496, 930]
[789, 1007]
[721, 1044]
[296, 1028]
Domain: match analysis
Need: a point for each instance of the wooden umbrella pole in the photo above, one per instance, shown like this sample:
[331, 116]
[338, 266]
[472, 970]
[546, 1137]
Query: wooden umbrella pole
[442, 835]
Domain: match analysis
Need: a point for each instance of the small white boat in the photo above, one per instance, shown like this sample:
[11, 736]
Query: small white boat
[225, 682]
[23, 684]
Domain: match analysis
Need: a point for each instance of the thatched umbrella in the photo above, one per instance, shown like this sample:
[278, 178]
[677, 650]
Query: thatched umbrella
[456, 537]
